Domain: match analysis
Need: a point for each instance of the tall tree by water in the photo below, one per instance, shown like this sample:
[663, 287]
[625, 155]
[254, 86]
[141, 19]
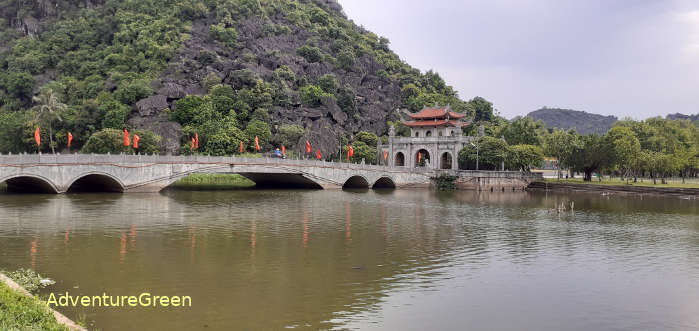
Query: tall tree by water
[48, 109]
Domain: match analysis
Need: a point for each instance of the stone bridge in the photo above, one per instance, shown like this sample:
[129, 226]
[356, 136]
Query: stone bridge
[146, 173]
[152, 173]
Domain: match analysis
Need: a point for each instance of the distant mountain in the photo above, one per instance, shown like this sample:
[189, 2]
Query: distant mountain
[582, 122]
[678, 116]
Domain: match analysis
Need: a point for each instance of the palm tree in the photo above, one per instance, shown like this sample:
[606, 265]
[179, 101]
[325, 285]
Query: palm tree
[48, 108]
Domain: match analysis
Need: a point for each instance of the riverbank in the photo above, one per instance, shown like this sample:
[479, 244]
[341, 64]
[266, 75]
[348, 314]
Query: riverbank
[20, 310]
[608, 188]
[212, 182]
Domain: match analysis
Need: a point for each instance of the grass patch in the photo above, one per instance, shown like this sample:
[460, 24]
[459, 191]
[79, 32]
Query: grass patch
[20, 312]
[618, 182]
[3, 187]
[207, 182]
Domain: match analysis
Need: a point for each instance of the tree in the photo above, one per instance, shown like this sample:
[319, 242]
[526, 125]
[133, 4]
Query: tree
[524, 157]
[367, 137]
[48, 109]
[482, 109]
[361, 151]
[112, 141]
[259, 129]
[561, 145]
[591, 156]
[522, 131]
[289, 134]
[491, 153]
[626, 148]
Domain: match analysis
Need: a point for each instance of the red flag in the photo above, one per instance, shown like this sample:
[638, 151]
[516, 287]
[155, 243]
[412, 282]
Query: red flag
[308, 147]
[283, 150]
[196, 140]
[385, 155]
[127, 141]
[70, 138]
[136, 138]
[318, 154]
[419, 158]
[37, 136]
[191, 146]
[257, 143]
[241, 146]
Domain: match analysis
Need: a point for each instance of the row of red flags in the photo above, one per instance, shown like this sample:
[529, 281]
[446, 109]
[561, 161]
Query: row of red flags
[37, 137]
[195, 144]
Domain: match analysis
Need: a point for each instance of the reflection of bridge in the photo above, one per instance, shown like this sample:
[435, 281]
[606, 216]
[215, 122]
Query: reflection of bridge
[145, 173]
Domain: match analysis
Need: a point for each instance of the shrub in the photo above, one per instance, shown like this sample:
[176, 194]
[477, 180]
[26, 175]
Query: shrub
[115, 114]
[312, 95]
[130, 92]
[310, 53]
[224, 35]
[112, 141]
[328, 83]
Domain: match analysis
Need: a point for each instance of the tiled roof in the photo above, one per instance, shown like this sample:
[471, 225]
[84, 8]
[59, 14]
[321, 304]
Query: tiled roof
[440, 113]
[432, 123]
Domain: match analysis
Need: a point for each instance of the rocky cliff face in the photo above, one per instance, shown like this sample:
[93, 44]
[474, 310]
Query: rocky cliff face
[376, 99]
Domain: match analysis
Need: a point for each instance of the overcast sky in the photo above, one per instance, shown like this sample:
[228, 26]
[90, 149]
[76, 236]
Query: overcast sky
[613, 57]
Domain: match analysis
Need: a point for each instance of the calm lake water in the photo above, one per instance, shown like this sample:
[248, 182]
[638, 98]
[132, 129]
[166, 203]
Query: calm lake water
[395, 260]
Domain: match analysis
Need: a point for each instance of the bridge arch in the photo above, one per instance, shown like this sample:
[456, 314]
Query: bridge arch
[96, 182]
[384, 183]
[29, 184]
[356, 182]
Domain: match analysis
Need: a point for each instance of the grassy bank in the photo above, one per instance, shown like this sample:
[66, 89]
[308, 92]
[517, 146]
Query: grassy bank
[618, 182]
[3, 187]
[213, 182]
[21, 312]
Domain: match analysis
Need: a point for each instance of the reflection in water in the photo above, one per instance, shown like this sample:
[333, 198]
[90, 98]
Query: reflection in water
[394, 260]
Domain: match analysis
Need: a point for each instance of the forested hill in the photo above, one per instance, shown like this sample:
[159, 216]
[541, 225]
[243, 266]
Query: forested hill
[678, 116]
[229, 70]
[582, 122]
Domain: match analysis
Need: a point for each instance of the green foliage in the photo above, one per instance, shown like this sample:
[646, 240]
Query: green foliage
[20, 312]
[562, 145]
[592, 155]
[367, 137]
[210, 81]
[328, 83]
[490, 154]
[482, 109]
[361, 151]
[446, 182]
[524, 157]
[346, 59]
[187, 108]
[115, 114]
[310, 53]
[289, 134]
[131, 91]
[522, 130]
[227, 36]
[312, 95]
[29, 279]
[257, 128]
[207, 58]
[112, 141]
